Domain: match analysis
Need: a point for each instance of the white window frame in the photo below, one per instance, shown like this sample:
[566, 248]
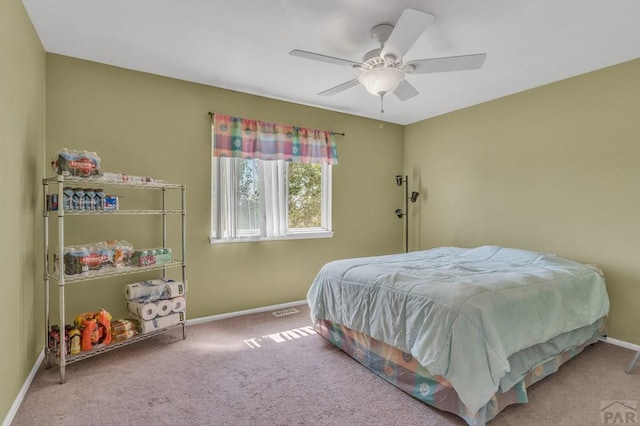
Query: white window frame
[324, 231]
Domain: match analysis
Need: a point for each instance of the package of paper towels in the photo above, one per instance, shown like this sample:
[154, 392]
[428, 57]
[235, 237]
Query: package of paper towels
[164, 307]
[144, 311]
[152, 290]
[161, 322]
[178, 304]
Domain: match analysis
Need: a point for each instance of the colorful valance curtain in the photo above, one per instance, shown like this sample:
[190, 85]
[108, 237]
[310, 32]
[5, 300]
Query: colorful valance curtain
[244, 138]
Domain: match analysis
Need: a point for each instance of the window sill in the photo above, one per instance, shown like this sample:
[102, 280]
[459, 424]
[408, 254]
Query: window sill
[292, 236]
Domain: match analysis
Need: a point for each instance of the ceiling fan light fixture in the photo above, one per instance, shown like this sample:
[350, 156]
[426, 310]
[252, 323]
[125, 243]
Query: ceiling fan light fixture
[383, 70]
[380, 81]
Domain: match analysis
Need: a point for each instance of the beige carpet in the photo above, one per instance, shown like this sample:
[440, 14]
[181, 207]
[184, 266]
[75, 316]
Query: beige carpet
[249, 371]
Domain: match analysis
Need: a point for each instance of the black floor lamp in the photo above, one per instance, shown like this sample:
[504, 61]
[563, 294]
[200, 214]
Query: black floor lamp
[403, 213]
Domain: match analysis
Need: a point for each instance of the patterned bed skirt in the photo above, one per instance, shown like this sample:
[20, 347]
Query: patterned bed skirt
[403, 371]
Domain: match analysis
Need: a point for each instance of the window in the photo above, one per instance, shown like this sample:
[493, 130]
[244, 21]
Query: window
[270, 181]
[264, 200]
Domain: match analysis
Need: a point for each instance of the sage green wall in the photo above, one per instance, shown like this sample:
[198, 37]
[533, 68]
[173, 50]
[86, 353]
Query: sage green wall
[22, 127]
[144, 124]
[552, 169]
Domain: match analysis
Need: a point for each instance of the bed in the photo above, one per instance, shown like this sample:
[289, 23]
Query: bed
[464, 330]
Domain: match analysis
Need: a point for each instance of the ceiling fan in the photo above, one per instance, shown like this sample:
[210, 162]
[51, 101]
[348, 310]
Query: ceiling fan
[383, 69]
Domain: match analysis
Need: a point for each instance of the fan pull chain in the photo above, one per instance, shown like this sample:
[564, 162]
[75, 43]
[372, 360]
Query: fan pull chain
[381, 108]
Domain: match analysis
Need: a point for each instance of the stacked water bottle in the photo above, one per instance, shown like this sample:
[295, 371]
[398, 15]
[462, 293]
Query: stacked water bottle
[83, 199]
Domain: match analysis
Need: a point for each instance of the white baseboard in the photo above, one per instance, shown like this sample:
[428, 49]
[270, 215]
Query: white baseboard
[23, 391]
[621, 343]
[245, 312]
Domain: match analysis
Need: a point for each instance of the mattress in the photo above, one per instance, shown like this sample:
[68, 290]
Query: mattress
[463, 313]
[405, 372]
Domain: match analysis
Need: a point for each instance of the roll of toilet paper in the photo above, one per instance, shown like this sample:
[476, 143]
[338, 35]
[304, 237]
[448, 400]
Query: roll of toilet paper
[144, 311]
[164, 307]
[178, 304]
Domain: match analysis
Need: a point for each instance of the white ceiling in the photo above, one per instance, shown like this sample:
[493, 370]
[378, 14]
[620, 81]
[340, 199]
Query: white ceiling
[244, 45]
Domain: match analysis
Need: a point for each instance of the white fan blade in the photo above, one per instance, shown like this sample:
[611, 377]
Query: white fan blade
[451, 63]
[405, 91]
[324, 58]
[411, 24]
[340, 87]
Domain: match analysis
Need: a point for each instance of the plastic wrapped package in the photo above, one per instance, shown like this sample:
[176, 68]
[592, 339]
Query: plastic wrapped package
[95, 256]
[75, 260]
[70, 162]
[124, 329]
[121, 177]
[99, 255]
[152, 256]
[152, 290]
[122, 251]
[95, 329]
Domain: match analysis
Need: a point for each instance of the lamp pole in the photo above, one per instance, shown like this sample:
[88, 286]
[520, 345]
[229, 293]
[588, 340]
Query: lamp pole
[406, 214]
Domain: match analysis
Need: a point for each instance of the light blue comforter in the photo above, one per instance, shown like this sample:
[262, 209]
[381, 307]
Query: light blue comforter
[461, 312]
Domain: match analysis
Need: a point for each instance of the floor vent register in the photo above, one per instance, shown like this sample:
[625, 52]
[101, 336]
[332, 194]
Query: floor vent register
[284, 312]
